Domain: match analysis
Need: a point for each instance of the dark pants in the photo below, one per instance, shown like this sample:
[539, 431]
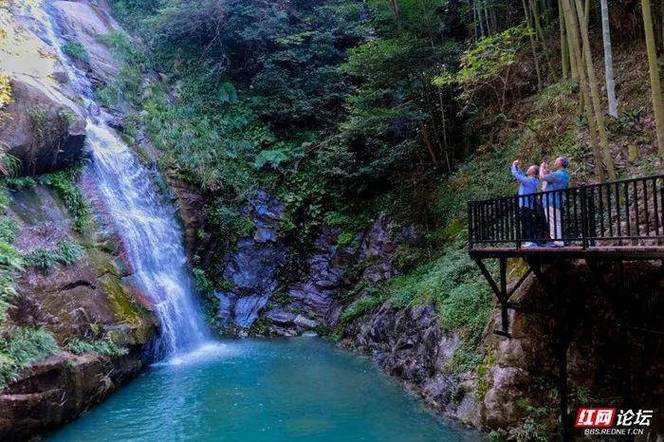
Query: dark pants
[529, 224]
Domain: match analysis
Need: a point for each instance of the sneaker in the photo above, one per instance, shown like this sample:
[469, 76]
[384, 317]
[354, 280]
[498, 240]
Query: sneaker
[558, 244]
[529, 244]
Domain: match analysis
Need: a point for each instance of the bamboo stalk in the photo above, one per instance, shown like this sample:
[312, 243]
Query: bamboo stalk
[655, 84]
[573, 34]
[594, 92]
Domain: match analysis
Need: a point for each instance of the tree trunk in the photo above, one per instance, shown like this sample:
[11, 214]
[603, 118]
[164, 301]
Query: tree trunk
[564, 51]
[594, 90]
[532, 45]
[537, 20]
[608, 61]
[572, 58]
[661, 23]
[396, 10]
[575, 49]
[478, 17]
[655, 85]
[486, 17]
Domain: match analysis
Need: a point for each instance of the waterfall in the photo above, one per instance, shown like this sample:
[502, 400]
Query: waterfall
[141, 216]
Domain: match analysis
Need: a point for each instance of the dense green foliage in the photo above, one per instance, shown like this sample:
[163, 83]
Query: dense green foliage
[65, 252]
[347, 109]
[20, 347]
[311, 100]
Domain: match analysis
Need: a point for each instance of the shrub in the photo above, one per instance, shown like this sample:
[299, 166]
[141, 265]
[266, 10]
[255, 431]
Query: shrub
[5, 90]
[66, 253]
[7, 293]
[206, 289]
[104, 346]
[486, 68]
[229, 222]
[8, 229]
[76, 51]
[361, 307]
[22, 346]
[64, 183]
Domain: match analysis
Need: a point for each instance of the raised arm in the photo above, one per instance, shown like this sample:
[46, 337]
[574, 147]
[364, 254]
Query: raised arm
[550, 177]
[517, 173]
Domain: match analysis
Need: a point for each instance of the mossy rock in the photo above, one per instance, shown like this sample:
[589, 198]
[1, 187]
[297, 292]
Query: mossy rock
[127, 310]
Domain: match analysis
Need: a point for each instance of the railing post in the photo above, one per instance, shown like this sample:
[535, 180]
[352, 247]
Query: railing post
[471, 221]
[584, 217]
[518, 228]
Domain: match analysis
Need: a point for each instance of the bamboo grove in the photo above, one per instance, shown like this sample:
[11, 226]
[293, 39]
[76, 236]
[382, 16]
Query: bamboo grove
[566, 24]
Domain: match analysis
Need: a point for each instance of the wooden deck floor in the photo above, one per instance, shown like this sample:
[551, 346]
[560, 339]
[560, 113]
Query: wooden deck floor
[571, 252]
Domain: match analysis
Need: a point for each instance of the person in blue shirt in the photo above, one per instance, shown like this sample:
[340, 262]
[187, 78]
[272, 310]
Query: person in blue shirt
[557, 180]
[528, 183]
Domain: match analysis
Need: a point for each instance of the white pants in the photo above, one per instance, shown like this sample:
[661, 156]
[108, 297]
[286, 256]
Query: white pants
[553, 217]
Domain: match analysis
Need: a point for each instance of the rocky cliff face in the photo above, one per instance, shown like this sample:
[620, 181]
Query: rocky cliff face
[614, 356]
[82, 301]
[41, 120]
[75, 286]
[253, 266]
[411, 345]
[263, 299]
[614, 316]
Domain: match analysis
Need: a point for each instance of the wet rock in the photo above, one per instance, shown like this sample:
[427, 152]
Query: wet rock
[305, 322]
[325, 277]
[266, 212]
[410, 345]
[280, 316]
[253, 266]
[246, 309]
[87, 24]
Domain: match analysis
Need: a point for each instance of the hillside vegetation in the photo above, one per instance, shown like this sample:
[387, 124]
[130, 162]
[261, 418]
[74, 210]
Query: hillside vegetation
[345, 110]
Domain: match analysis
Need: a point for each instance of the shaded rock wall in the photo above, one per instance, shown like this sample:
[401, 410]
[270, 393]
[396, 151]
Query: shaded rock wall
[615, 353]
[252, 267]
[410, 345]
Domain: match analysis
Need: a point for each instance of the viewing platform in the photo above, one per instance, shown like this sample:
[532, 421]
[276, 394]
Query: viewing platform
[613, 221]
[618, 219]
[604, 225]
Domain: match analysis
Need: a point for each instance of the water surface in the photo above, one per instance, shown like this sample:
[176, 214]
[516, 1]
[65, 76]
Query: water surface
[301, 389]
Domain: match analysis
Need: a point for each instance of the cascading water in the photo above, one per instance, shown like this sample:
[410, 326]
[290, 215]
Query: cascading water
[151, 237]
[145, 222]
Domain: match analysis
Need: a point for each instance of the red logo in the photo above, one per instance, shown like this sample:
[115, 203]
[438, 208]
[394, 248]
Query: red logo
[588, 417]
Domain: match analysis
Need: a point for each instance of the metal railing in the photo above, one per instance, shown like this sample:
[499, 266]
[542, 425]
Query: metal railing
[617, 213]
